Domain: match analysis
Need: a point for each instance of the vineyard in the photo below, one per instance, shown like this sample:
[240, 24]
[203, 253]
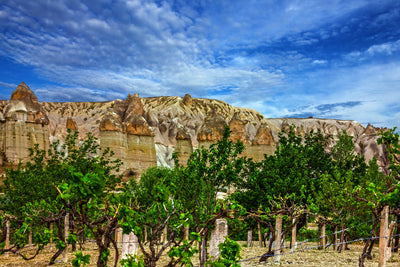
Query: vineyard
[309, 258]
[314, 202]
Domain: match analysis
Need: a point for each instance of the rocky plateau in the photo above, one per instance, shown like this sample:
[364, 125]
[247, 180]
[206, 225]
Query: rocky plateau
[144, 132]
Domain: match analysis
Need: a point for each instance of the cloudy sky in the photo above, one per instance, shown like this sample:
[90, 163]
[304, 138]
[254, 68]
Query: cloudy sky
[327, 59]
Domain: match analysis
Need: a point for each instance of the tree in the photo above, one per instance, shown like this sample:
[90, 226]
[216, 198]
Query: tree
[282, 184]
[79, 180]
[150, 208]
[208, 172]
[336, 204]
[380, 189]
[88, 192]
[30, 200]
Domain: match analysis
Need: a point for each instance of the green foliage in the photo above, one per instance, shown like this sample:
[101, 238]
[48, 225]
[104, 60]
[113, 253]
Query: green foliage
[60, 245]
[183, 197]
[151, 204]
[183, 252]
[229, 254]
[286, 181]
[305, 233]
[132, 261]
[80, 259]
[69, 178]
[391, 140]
[208, 171]
[104, 256]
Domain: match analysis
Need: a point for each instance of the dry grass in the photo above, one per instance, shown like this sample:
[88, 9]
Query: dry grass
[308, 257]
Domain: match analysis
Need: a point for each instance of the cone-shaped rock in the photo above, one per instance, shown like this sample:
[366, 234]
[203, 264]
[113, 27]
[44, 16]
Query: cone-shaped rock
[71, 124]
[25, 106]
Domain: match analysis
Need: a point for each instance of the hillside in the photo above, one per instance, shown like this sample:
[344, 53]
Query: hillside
[145, 132]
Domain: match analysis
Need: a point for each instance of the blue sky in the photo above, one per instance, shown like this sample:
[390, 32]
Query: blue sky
[326, 59]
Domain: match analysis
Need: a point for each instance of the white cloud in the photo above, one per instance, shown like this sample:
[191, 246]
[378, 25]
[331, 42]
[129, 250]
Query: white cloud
[8, 85]
[98, 24]
[319, 62]
[373, 89]
[386, 48]
[226, 50]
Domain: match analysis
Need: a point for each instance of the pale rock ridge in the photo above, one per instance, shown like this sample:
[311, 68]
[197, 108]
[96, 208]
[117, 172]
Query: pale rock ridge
[23, 125]
[87, 116]
[144, 132]
[24, 106]
[367, 145]
[184, 124]
[124, 129]
[365, 139]
[183, 145]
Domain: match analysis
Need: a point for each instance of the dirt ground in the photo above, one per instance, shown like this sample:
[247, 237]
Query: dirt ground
[304, 257]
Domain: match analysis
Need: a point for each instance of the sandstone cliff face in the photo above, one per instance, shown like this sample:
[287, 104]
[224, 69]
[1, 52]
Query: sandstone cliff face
[145, 132]
[86, 115]
[127, 133]
[23, 124]
[184, 124]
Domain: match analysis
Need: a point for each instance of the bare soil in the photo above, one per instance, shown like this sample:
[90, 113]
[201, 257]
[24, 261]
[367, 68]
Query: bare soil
[303, 257]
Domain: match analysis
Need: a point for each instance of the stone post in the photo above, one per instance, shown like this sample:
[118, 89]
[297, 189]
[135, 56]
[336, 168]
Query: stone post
[249, 238]
[218, 236]
[383, 237]
[66, 232]
[278, 237]
[118, 236]
[294, 235]
[130, 245]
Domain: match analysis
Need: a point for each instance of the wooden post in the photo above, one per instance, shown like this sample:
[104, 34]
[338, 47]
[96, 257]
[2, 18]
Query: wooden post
[335, 246]
[383, 238]
[249, 238]
[164, 236]
[30, 237]
[294, 235]
[66, 232]
[260, 239]
[278, 236]
[7, 237]
[51, 233]
[389, 234]
[145, 233]
[323, 237]
[185, 233]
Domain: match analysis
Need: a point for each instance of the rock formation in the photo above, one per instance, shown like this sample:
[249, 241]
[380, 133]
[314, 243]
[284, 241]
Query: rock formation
[71, 124]
[24, 106]
[23, 124]
[127, 133]
[145, 132]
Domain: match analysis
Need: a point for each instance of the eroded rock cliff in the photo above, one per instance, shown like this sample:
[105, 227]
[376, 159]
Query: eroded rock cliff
[23, 124]
[124, 129]
[144, 132]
